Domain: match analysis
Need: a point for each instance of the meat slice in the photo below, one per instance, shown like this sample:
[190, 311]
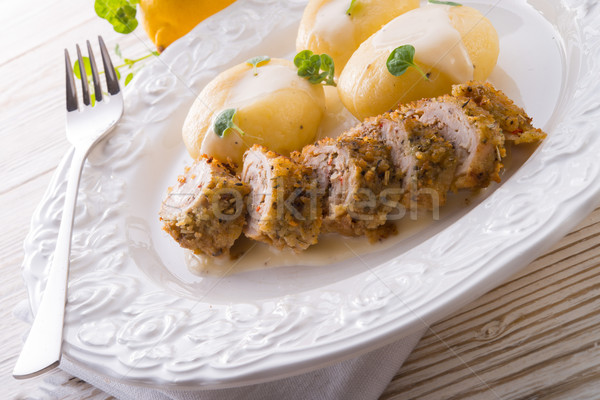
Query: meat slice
[205, 212]
[356, 177]
[284, 209]
[514, 122]
[424, 161]
[472, 131]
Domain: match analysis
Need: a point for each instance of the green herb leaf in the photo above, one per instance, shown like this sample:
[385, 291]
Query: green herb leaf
[256, 61]
[88, 75]
[224, 122]
[86, 65]
[118, 51]
[351, 7]
[328, 66]
[446, 3]
[130, 64]
[310, 66]
[128, 78]
[120, 14]
[401, 58]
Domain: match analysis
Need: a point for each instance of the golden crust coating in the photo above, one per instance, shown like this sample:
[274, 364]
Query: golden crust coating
[284, 209]
[473, 132]
[352, 173]
[513, 120]
[205, 212]
[424, 162]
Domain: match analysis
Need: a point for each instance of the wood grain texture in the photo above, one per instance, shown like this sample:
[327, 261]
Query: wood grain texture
[533, 337]
[32, 142]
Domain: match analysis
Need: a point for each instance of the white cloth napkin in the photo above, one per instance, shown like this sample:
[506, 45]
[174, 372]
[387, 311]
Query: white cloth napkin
[361, 378]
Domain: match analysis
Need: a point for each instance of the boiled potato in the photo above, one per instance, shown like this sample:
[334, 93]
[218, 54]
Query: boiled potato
[479, 37]
[452, 45]
[274, 107]
[327, 28]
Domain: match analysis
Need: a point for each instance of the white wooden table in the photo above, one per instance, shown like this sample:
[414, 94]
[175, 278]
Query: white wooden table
[534, 337]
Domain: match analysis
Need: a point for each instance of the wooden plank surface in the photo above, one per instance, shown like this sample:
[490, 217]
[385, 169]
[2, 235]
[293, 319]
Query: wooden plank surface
[534, 337]
[32, 142]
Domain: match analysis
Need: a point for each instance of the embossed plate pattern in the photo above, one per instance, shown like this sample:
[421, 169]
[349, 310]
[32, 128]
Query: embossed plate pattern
[135, 314]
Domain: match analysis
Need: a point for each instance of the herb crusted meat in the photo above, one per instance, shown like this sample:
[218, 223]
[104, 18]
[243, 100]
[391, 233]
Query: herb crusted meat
[352, 185]
[284, 209]
[352, 173]
[423, 161]
[512, 119]
[205, 211]
[473, 132]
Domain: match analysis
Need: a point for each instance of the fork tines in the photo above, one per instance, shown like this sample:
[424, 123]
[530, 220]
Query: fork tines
[112, 82]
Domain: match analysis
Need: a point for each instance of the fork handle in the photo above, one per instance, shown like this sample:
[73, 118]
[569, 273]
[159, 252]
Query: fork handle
[42, 349]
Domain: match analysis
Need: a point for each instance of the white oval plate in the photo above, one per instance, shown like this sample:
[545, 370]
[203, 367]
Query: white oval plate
[135, 313]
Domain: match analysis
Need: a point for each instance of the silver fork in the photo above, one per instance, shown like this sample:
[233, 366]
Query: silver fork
[86, 126]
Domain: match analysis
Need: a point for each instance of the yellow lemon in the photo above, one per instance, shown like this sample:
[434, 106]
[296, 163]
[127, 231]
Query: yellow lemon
[167, 20]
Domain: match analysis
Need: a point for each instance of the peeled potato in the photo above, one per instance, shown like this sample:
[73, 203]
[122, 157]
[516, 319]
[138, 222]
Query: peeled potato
[367, 88]
[327, 28]
[274, 107]
[479, 37]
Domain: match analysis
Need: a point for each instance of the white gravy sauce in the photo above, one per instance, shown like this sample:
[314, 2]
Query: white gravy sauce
[252, 85]
[332, 24]
[437, 43]
[248, 255]
[268, 79]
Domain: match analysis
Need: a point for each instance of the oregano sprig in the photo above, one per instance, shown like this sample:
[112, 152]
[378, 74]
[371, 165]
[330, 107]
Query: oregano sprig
[351, 7]
[120, 13]
[127, 63]
[224, 122]
[256, 61]
[445, 3]
[316, 68]
[402, 58]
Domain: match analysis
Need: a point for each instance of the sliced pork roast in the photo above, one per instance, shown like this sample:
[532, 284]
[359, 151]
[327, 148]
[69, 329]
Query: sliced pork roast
[351, 185]
[473, 132]
[352, 173]
[423, 160]
[514, 122]
[205, 212]
[284, 209]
